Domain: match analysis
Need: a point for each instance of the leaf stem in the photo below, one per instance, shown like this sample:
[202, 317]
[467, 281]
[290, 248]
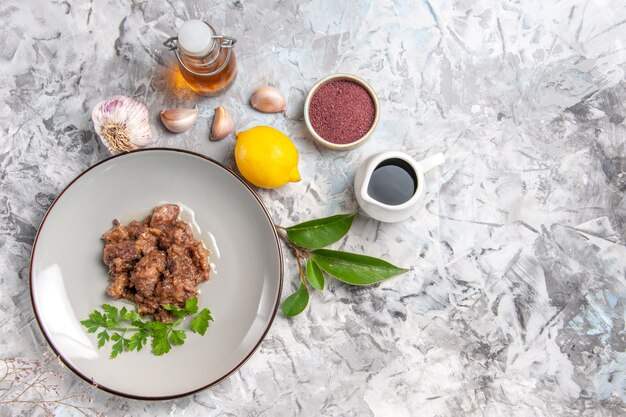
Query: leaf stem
[301, 254]
[123, 329]
[302, 276]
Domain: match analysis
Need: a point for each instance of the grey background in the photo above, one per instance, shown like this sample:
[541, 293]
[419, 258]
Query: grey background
[515, 301]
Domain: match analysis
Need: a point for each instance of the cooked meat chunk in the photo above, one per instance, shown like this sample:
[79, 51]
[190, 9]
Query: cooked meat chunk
[118, 285]
[124, 251]
[164, 215]
[146, 241]
[147, 272]
[156, 261]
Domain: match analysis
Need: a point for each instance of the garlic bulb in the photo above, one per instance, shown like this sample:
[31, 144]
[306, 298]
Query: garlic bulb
[222, 124]
[268, 99]
[179, 120]
[122, 124]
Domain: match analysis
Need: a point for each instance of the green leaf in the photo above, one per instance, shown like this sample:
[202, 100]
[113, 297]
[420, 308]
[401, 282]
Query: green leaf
[160, 344]
[114, 325]
[111, 311]
[95, 321]
[133, 317]
[315, 275]
[91, 326]
[117, 348]
[175, 310]
[353, 268]
[137, 341]
[320, 232]
[98, 317]
[296, 302]
[191, 305]
[156, 326]
[177, 337]
[103, 337]
[200, 323]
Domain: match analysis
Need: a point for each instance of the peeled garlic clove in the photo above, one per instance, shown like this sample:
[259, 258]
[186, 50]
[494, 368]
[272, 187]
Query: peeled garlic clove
[222, 124]
[122, 124]
[179, 120]
[268, 99]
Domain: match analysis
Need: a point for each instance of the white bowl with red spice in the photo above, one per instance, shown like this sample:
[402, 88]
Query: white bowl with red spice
[341, 111]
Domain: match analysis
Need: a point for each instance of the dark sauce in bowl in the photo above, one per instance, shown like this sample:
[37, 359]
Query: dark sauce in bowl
[393, 182]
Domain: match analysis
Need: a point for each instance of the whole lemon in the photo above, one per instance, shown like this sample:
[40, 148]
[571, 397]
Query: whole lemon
[266, 157]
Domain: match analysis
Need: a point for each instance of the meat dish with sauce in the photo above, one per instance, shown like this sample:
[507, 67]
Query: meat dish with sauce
[155, 261]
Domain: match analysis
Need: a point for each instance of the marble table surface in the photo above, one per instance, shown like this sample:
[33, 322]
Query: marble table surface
[514, 305]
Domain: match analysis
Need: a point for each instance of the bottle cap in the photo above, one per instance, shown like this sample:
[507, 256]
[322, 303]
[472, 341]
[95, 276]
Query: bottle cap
[196, 38]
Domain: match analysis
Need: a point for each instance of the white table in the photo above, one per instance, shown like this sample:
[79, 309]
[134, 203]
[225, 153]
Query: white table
[515, 302]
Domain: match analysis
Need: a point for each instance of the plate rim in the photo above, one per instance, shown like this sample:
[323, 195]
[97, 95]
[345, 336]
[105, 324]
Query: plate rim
[226, 375]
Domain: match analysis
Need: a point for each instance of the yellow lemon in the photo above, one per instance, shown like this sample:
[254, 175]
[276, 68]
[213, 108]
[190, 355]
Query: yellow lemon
[266, 157]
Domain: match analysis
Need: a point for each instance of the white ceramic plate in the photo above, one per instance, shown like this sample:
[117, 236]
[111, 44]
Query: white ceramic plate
[69, 279]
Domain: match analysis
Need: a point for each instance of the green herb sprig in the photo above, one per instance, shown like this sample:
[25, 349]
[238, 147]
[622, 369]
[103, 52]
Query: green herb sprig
[306, 241]
[118, 325]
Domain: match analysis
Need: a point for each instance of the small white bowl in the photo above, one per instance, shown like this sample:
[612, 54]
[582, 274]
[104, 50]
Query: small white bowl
[307, 103]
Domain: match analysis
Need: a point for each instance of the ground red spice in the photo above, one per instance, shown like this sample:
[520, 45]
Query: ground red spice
[341, 111]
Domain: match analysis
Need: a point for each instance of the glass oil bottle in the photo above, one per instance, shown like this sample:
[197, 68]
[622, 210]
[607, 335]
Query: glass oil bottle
[206, 59]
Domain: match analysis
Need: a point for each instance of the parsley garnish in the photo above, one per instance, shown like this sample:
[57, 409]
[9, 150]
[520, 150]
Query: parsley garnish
[130, 332]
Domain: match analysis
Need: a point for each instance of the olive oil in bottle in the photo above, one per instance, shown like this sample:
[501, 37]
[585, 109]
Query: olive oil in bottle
[206, 60]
